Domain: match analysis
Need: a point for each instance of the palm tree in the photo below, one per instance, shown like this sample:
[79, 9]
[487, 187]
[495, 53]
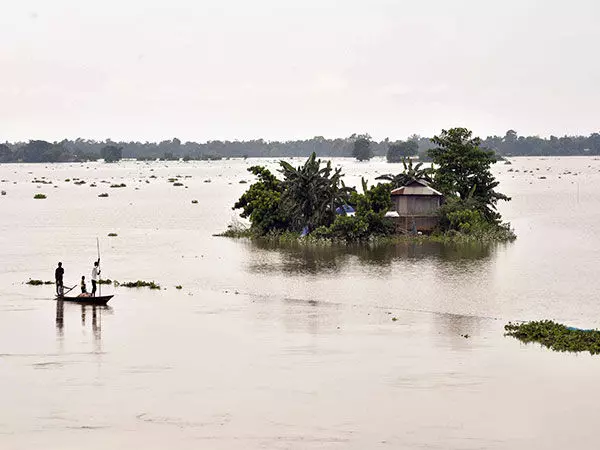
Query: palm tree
[312, 193]
[409, 174]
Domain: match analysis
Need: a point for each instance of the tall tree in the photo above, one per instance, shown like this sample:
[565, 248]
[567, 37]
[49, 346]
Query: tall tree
[464, 170]
[362, 148]
[111, 153]
[397, 151]
[5, 153]
[261, 203]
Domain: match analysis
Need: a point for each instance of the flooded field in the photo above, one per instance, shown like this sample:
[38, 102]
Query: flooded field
[288, 348]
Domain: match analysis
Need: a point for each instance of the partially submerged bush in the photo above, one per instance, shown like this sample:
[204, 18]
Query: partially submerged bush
[463, 219]
[556, 336]
[39, 196]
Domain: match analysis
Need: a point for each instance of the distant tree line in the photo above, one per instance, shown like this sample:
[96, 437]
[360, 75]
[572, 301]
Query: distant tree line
[360, 146]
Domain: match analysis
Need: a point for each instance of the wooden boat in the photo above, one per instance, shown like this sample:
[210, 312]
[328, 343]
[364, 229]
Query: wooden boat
[97, 300]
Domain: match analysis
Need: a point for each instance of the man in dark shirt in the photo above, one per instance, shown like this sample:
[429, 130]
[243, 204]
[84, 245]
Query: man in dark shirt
[58, 277]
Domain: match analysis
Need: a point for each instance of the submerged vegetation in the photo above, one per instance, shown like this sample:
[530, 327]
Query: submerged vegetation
[38, 282]
[312, 201]
[556, 336]
[140, 283]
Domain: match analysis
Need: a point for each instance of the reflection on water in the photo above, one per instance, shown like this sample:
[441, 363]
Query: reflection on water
[96, 312]
[311, 259]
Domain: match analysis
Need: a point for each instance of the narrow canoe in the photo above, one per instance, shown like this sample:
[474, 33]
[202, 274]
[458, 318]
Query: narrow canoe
[98, 300]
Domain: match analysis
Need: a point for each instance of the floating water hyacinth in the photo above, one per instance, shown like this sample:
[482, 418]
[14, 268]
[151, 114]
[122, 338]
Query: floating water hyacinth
[556, 336]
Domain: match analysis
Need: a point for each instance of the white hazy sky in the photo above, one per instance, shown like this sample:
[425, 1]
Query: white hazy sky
[278, 69]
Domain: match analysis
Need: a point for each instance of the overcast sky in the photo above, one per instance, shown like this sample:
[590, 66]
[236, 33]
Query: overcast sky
[277, 69]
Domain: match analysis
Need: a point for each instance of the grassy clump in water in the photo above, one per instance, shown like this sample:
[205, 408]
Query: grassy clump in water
[140, 283]
[178, 286]
[107, 281]
[112, 234]
[122, 185]
[103, 195]
[39, 196]
[38, 282]
[556, 336]
[177, 184]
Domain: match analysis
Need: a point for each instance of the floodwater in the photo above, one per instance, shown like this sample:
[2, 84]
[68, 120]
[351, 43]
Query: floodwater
[289, 348]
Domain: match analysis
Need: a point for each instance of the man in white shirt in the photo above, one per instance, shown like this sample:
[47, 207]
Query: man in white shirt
[95, 276]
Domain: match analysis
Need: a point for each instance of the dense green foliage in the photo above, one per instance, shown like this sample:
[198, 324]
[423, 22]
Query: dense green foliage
[556, 336]
[464, 171]
[311, 193]
[111, 153]
[411, 172]
[362, 148]
[261, 202]
[367, 222]
[313, 199]
[398, 151]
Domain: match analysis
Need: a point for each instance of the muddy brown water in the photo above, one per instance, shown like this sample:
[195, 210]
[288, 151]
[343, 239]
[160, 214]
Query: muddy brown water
[280, 348]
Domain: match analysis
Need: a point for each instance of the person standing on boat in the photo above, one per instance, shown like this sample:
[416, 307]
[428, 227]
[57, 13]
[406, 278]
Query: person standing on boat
[58, 279]
[95, 276]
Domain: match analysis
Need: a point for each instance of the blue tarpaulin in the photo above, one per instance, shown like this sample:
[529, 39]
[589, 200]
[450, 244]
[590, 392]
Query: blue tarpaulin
[344, 209]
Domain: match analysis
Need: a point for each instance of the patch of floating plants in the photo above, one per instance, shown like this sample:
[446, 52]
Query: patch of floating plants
[103, 195]
[107, 281]
[194, 201]
[80, 182]
[38, 282]
[39, 196]
[112, 234]
[140, 283]
[556, 336]
[121, 185]
[177, 184]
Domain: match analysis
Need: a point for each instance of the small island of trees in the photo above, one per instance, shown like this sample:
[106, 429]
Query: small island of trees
[312, 200]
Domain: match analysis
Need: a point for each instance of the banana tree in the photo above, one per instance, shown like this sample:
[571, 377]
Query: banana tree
[312, 193]
[411, 172]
